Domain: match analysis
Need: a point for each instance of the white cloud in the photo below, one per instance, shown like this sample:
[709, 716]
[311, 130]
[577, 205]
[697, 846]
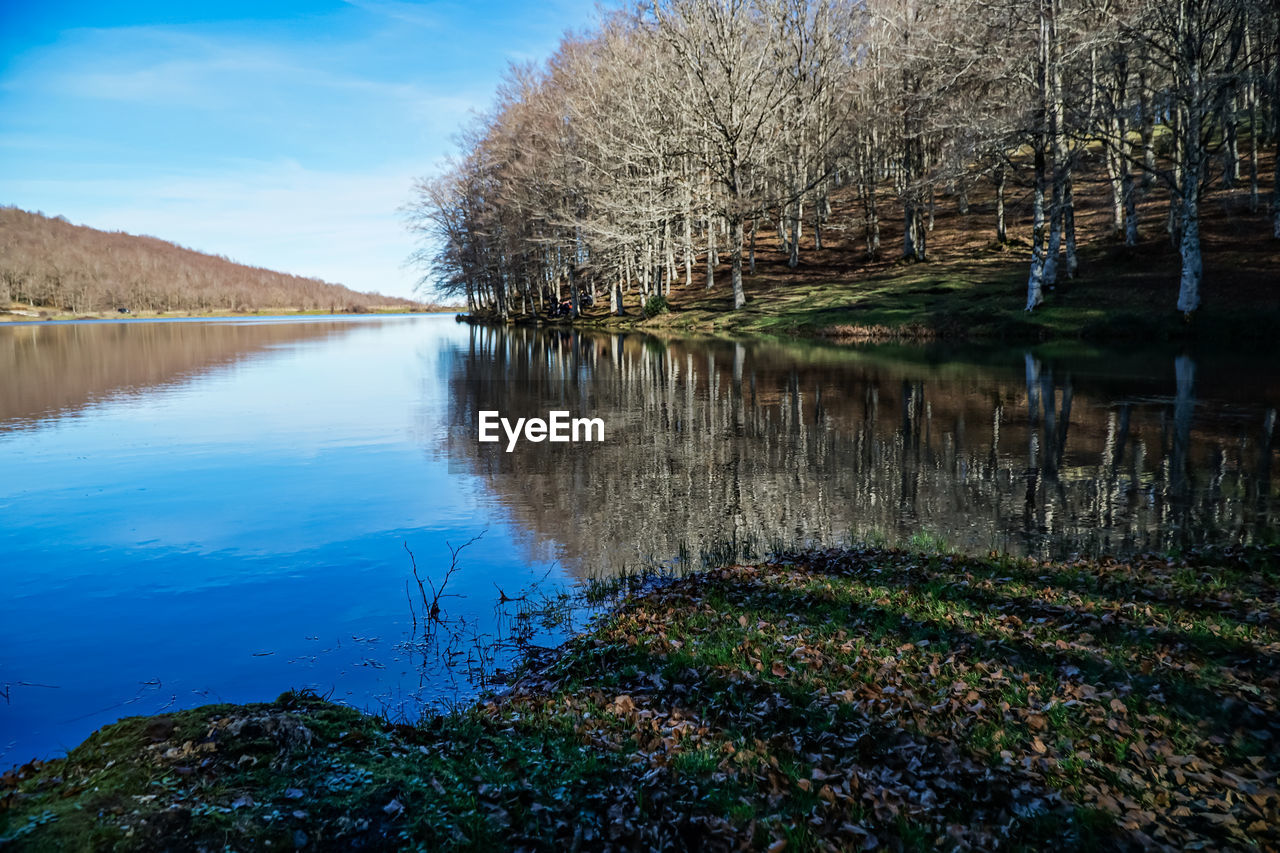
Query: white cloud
[165, 67]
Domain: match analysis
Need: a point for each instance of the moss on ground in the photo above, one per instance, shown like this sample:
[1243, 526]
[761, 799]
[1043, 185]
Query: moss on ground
[843, 699]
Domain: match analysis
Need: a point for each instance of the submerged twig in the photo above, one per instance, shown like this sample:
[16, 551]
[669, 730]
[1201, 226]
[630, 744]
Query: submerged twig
[431, 604]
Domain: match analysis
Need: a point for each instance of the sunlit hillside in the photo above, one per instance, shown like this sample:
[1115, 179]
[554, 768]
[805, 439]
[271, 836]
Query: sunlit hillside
[50, 263]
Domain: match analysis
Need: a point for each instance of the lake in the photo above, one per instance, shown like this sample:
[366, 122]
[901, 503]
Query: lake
[221, 510]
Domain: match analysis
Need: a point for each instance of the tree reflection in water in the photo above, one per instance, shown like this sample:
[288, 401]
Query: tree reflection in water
[54, 370]
[719, 449]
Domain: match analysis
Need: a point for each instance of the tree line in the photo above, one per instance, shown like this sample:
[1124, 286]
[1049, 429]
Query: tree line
[676, 132]
[48, 262]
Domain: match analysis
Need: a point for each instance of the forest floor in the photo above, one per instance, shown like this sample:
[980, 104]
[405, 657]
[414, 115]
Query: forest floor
[973, 287]
[842, 699]
[22, 313]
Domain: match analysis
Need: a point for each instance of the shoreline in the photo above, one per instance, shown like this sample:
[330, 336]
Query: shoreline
[974, 293]
[854, 697]
[1238, 327]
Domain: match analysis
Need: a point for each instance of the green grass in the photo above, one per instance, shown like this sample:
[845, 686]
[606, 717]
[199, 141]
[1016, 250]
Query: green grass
[846, 698]
[1122, 295]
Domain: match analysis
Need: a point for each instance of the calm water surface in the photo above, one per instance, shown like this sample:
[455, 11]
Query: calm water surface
[217, 510]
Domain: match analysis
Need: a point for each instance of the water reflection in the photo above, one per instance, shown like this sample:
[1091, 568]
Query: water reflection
[204, 511]
[55, 369]
[715, 448]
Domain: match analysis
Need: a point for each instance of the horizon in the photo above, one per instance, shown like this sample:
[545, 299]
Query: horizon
[285, 137]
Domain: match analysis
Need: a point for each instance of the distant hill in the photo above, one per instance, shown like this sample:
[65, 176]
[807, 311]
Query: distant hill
[50, 263]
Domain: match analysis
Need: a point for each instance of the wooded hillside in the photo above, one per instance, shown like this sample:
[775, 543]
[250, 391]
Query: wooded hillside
[48, 262]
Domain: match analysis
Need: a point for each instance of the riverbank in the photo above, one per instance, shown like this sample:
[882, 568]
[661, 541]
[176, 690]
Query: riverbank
[34, 314]
[860, 699]
[1122, 296]
[973, 288]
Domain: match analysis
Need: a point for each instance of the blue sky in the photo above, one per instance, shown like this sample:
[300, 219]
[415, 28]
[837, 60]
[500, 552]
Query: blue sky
[279, 134]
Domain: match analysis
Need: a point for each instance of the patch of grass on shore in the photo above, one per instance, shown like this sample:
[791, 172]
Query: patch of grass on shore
[857, 698]
[979, 297]
[974, 288]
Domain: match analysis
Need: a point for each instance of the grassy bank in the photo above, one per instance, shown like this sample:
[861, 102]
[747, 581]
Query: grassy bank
[852, 699]
[974, 288]
[1123, 295]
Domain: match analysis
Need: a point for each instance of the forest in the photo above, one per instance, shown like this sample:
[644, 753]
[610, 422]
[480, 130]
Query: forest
[46, 262]
[679, 137]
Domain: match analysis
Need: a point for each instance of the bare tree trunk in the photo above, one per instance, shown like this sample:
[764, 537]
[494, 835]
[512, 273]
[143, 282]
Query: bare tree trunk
[1275, 194]
[1035, 283]
[1147, 110]
[670, 243]
[711, 253]
[1275, 133]
[1069, 225]
[646, 270]
[1174, 222]
[1002, 235]
[817, 225]
[755, 226]
[922, 236]
[616, 293]
[739, 297]
[797, 214]
[1253, 150]
[1116, 180]
[1251, 105]
[1231, 147]
[1130, 209]
[908, 230]
[1189, 287]
[688, 248]
[873, 228]
[1126, 210]
[1054, 248]
[575, 300]
[1061, 167]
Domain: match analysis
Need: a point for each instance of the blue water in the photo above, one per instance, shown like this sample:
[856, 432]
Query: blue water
[236, 532]
[205, 511]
